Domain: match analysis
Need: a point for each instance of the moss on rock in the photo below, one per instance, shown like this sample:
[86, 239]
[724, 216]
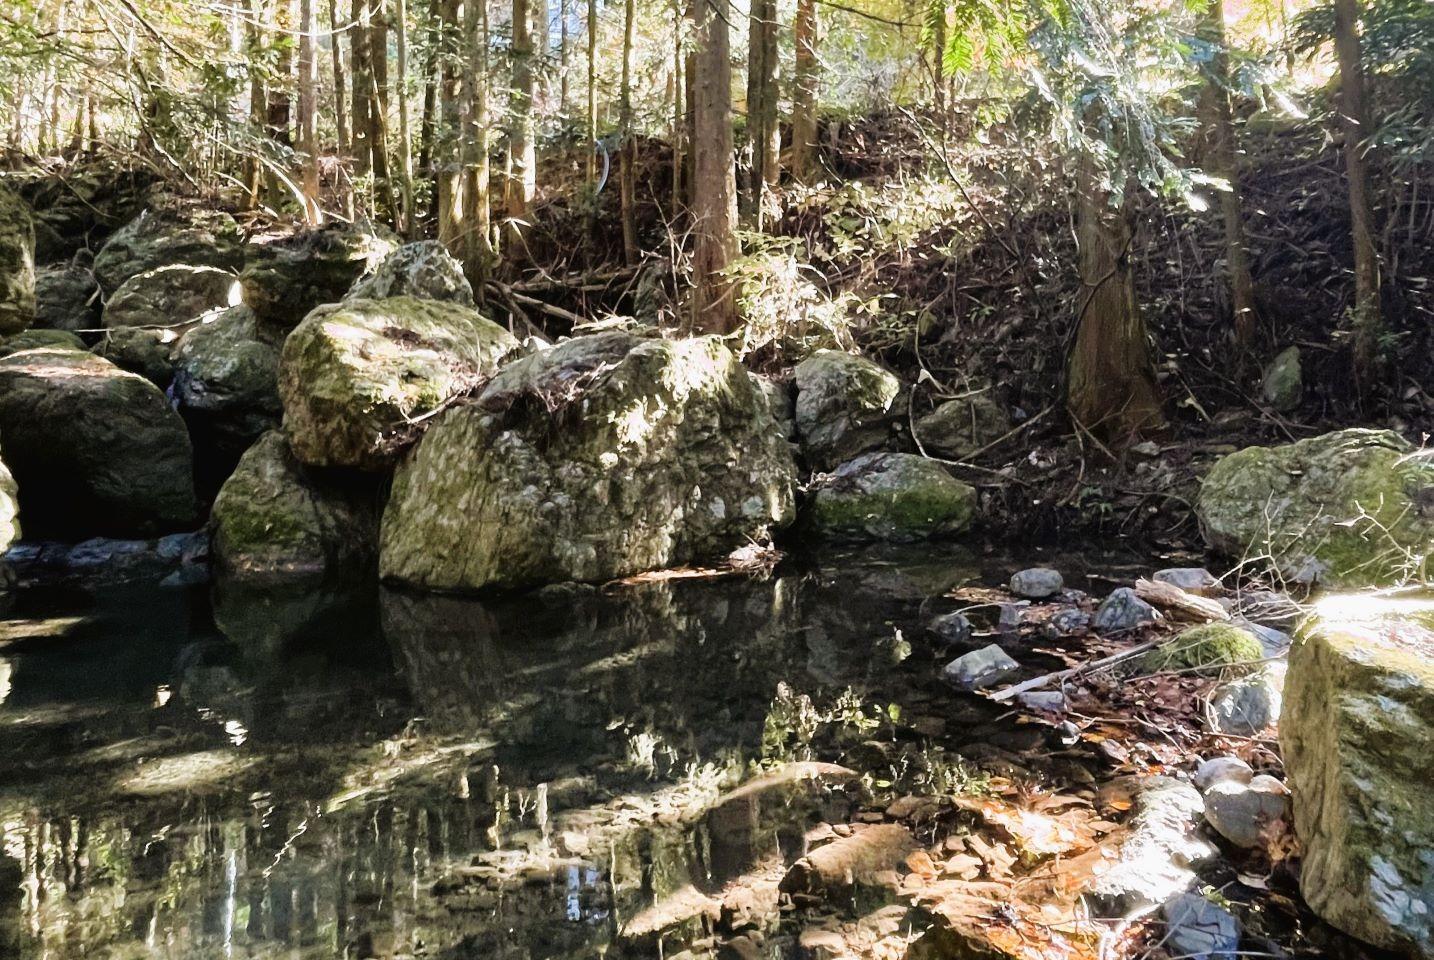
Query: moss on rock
[168, 234]
[226, 381]
[842, 408]
[169, 296]
[890, 496]
[35, 339]
[17, 264]
[285, 279]
[1210, 646]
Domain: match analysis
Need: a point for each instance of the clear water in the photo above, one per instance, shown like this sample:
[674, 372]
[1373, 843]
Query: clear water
[197, 773]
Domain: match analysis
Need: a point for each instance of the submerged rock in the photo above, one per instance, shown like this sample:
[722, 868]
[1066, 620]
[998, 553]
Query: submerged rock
[1037, 583]
[170, 296]
[95, 450]
[17, 264]
[285, 279]
[226, 382]
[166, 235]
[601, 457]
[1349, 508]
[843, 407]
[275, 519]
[1123, 610]
[958, 428]
[889, 496]
[1357, 734]
[1282, 385]
[952, 628]
[353, 373]
[425, 270]
[980, 668]
[36, 339]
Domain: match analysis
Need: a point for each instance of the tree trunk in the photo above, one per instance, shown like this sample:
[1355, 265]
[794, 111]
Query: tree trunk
[258, 102]
[378, 112]
[804, 90]
[405, 134]
[308, 136]
[679, 124]
[762, 130]
[1111, 386]
[629, 145]
[448, 148]
[523, 182]
[1223, 162]
[361, 79]
[714, 186]
[341, 109]
[478, 249]
[592, 90]
[1355, 119]
[564, 58]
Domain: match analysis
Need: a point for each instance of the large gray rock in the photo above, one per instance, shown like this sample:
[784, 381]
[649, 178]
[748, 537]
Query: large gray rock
[1247, 706]
[889, 496]
[170, 296]
[169, 234]
[425, 270]
[285, 279]
[1349, 508]
[33, 339]
[95, 450]
[601, 457]
[1123, 610]
[1037, 583]
[1217, 769]
[17, 264]
[1162, 844]
[142, 351]
[353, 373]
[844, 407]
[275, 519]
[66, 295]
[1357, 734]
[226, 380]
[958, 428]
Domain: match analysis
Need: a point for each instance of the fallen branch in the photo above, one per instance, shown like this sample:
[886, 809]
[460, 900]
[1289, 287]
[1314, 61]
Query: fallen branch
[1171, 597]
[1036, 683]
[508, 293]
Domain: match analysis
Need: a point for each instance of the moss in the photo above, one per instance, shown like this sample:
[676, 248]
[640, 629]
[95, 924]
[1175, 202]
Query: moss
[1210, 646]
[891, 497]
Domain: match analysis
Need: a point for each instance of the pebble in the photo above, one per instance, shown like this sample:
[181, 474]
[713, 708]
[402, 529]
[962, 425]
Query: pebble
[952, 628]
[1198, 929]
[1240, 812]
[1043, 701]
[979, 668]
[1122, 611]
[1012, 614]
[1037, 583]
[1218, 769]
[1065, 623]
[1196, 580]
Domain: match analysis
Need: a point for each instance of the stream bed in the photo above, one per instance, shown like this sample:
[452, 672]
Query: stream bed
[211, 772]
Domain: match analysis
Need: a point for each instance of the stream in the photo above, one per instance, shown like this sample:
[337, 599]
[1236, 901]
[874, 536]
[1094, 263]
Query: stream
[213, 772]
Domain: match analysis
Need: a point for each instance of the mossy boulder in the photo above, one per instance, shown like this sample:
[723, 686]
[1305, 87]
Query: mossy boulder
[1282, 384]
[353, 373]
[170, 296]
[889, 496]
[1210, 646]
[226, 381]
[168, 234]
[276, 519]
[9, 507]
[34, 339]
[958, 428]
[17, 264]
[286, 278]
[66, 295]
[1349, 508]
[142, 351]
[424, 269]
[96, 450]
[1357, 735]
[843, 407]
[601, 457]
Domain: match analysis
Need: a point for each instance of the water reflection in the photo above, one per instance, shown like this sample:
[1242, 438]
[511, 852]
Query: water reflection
[380, 774]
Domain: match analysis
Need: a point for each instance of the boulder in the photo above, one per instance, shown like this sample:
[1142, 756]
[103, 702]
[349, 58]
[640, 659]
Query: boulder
[1244, 813]
[35, 339]
[9, 507]
[17, 264]
[169, 234]
[145, 352]
[889, 496]
[286, 278]
[958, 428]
[170, 296]
[1196, 580]
[843, 407]
[980, 668]
[66, 295]
[78, 210]
[1217, 769]
[226, 382]
[275, 519]
[1037, 583]
[1282, 385]
[1162, 844]
[352, 373]
[1349, 508]
[95, 450]
[1123, 610]
[1246, 707]
[1357, 734]
[425, 270]
[601, 457]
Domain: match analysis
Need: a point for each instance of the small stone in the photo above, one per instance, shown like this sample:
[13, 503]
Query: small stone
[1146, 448]
[1123, 610]
[1065, 623]
[951, 628]
[980, 668]
[1246, 706]
[1196, 580]
[1197, 929]
[1275, 642]
[1037, 583]
[1283, 383]
[1011, 615]
[1043, 701]
[1240, 812]
[1219, 769]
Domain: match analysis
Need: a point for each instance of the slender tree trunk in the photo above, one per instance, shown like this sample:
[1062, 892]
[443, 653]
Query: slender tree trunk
[449, 146]
[481, 256]
[938, 77]
[592, 90]
[523, 182]
[679, 126]
[714, 186]
[766, 151]
[361, 80]
[629, 144]
[341, 109]
[689, 73]
[1222, 162]
[405, 134]
[258, 102]
[308, 135]
[427, 124]
[1111, 386]
[279, 110]
[804, 90]
[564, 59]
[1355, 119]
[378, 111]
